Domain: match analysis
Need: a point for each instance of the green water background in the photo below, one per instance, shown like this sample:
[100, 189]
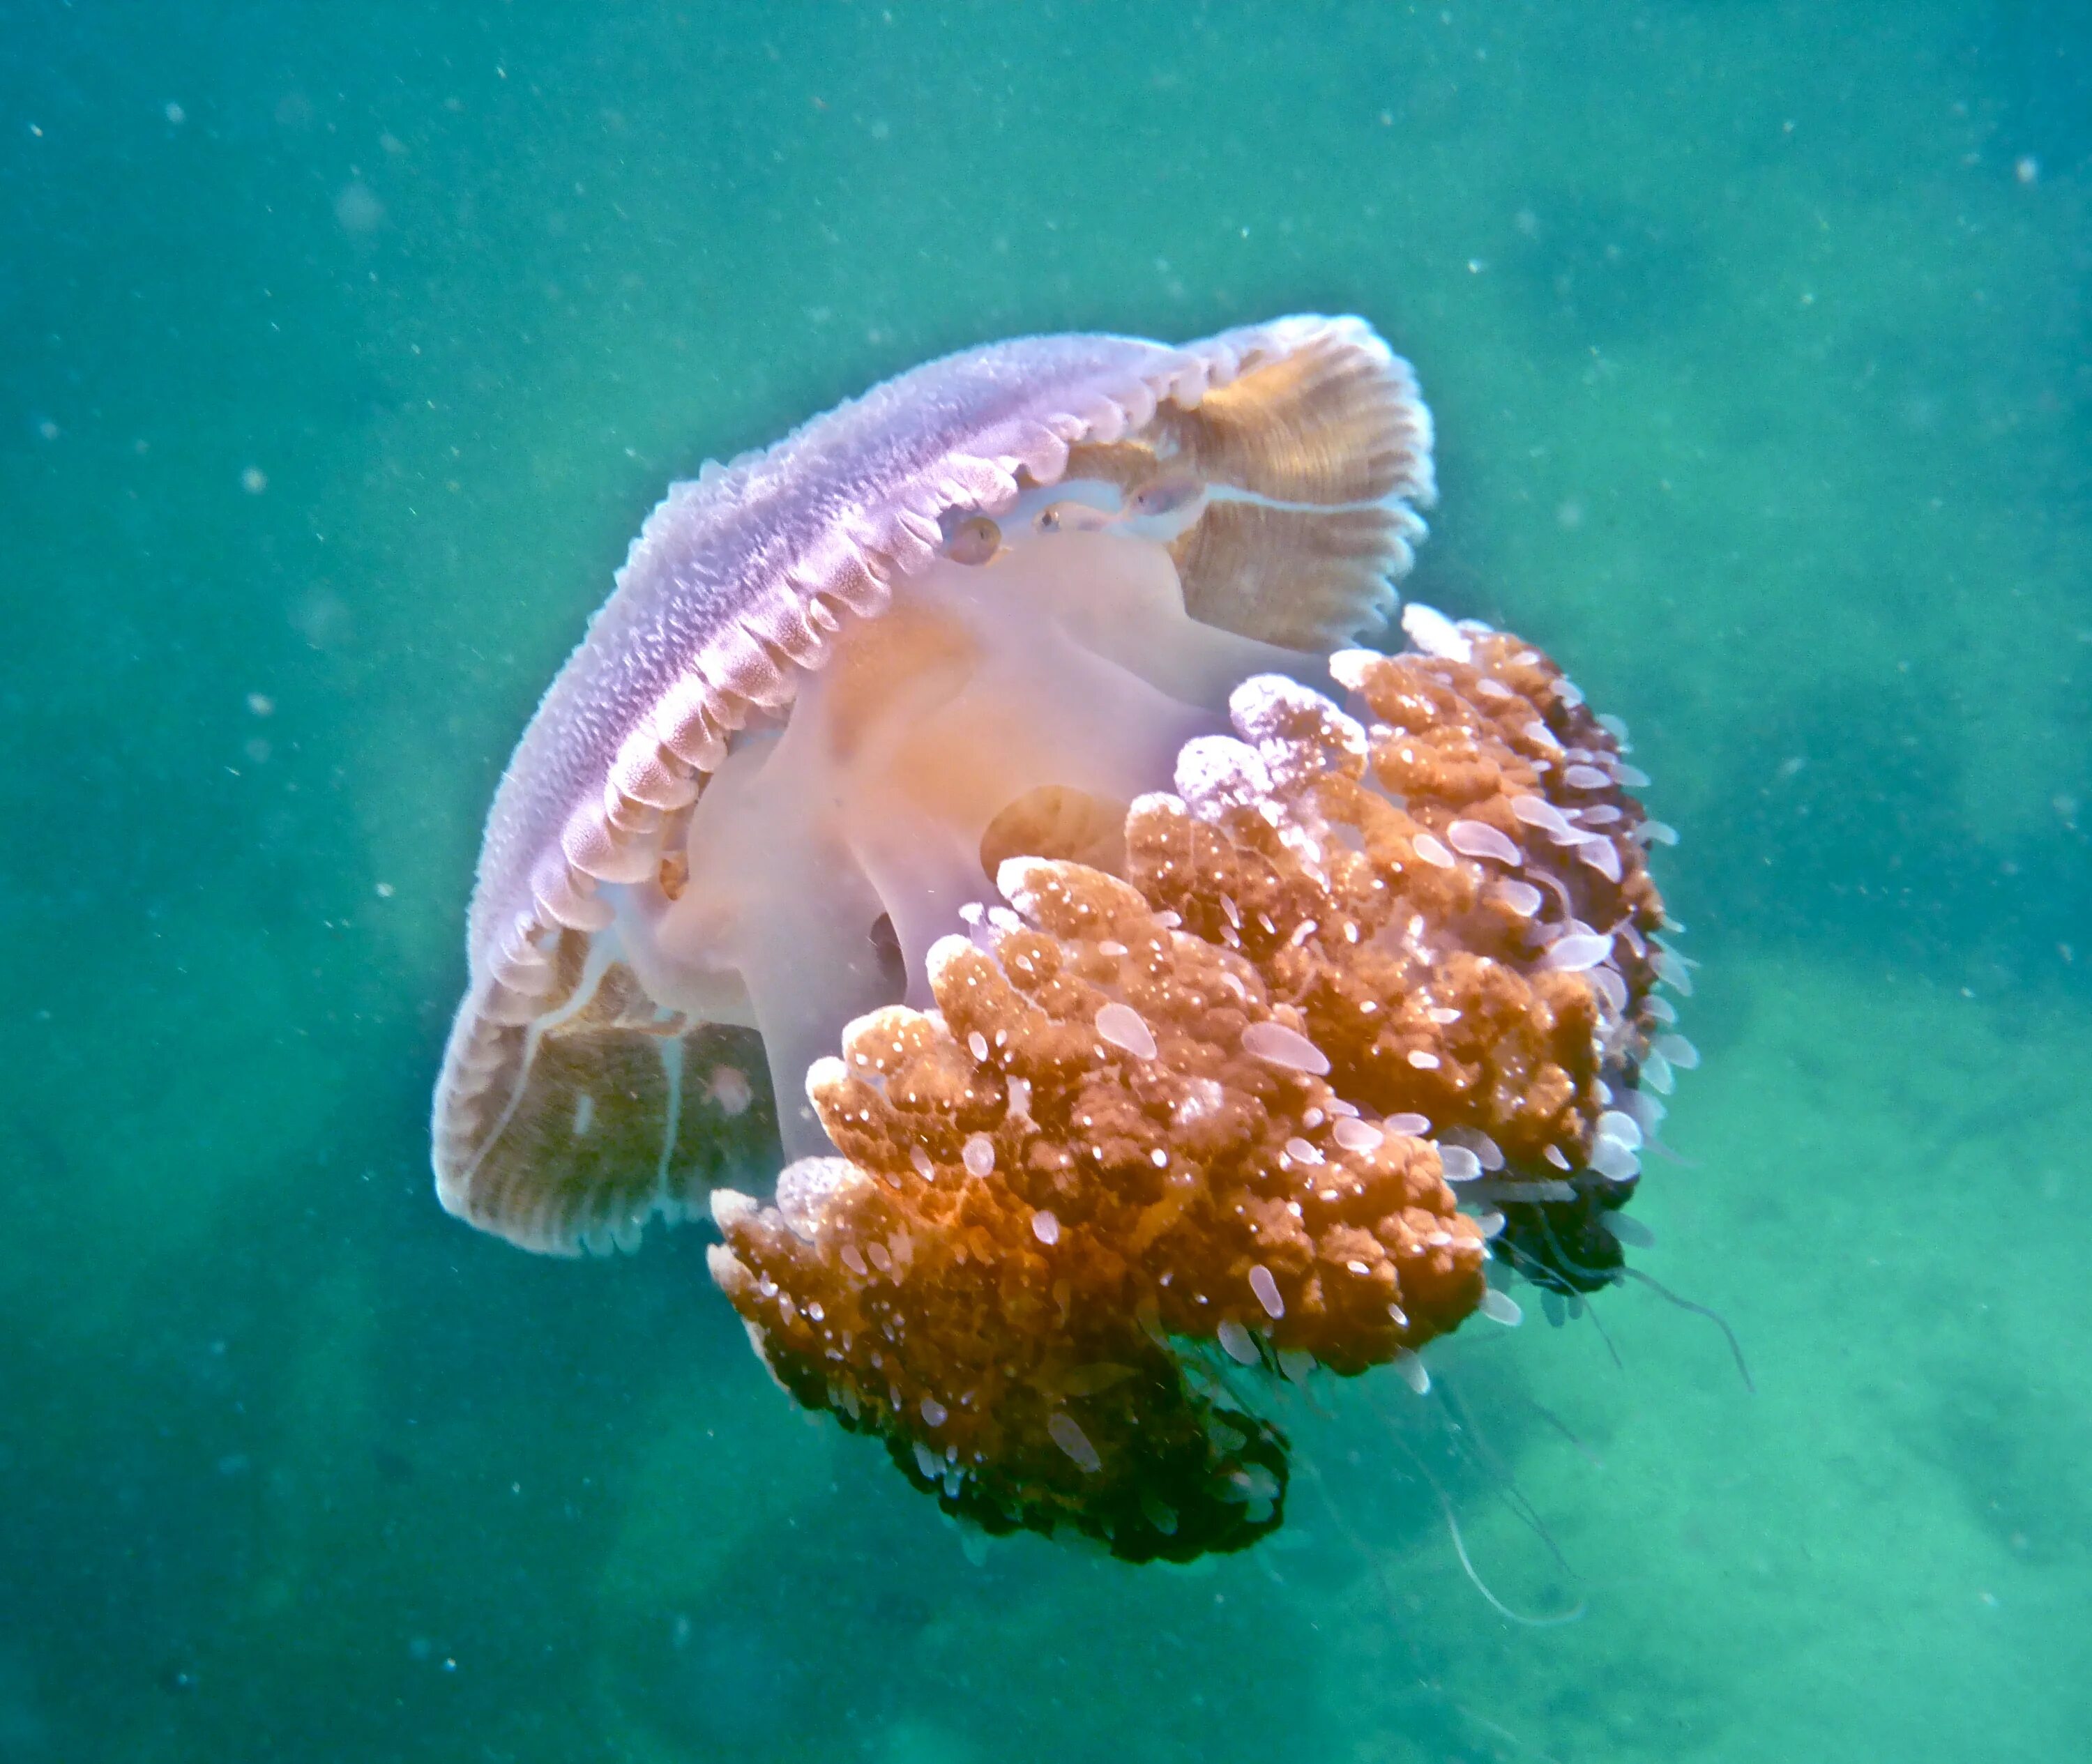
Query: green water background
[342, 349]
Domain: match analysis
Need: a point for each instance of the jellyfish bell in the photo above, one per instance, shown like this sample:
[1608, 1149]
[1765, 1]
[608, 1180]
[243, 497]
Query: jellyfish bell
[970, 616]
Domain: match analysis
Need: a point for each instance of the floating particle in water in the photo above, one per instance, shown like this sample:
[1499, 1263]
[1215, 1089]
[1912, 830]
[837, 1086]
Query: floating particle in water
[358, 208]
[730, 1091]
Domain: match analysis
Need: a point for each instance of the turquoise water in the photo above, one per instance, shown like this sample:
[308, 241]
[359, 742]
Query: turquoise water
[341, 352]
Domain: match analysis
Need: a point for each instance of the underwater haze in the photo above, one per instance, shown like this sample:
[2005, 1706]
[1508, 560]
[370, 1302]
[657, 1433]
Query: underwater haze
[342, 351]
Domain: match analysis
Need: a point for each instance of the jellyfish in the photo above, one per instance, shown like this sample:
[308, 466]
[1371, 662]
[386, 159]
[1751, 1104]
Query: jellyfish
[982, 798]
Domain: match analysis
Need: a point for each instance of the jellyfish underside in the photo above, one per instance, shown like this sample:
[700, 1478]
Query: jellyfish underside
[1194, 1127]
[1014, 704]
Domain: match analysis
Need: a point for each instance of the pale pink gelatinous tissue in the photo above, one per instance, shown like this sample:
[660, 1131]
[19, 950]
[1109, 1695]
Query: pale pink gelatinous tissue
[965, 618]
